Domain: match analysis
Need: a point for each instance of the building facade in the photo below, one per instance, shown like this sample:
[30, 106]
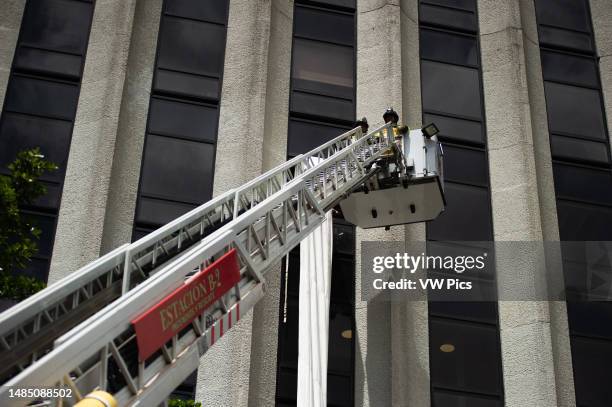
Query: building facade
[152, 107]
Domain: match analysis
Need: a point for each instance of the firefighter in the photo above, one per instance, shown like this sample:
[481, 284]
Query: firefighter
[363, 123]
[390, 115]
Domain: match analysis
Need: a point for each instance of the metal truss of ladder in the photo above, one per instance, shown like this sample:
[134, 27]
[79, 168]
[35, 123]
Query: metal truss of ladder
[263, 220]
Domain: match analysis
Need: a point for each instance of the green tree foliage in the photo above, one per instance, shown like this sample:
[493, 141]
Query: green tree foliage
[183, 403]
[18, 233]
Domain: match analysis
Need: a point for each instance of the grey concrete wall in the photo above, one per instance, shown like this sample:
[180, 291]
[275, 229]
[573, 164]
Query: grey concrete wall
[127, 155]
[601, 11]
[233, 373]
[264, 344]
[82, 210]
[379, 79]
[410, 378]
[278, 84]
[557, 310]
[522, 192]
[10, 21]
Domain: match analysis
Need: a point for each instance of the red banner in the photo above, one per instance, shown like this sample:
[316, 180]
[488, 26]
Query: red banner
[161, 322]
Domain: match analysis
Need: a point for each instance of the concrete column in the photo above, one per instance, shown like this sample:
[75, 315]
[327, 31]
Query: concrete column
[601, 12]
[410, 384]
[131, 129]
[264, 343]
[379, 84]
[81, 215]
[534, 335]
[10, 22]
[241, 368]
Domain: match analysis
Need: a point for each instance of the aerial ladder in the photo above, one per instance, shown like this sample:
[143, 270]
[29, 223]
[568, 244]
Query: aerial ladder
[85, 335]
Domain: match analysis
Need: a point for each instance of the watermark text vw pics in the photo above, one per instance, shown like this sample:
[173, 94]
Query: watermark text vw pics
[404, 262]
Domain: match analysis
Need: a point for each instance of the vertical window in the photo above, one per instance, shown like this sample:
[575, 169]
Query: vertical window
[451, 85]
[582, 171]
[40, 103]
[179, 153]
[322, 106]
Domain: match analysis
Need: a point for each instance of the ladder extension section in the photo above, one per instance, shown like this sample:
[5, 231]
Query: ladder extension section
[94, 346]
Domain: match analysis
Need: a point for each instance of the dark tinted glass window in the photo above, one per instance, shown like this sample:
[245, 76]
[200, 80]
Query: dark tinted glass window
[182, 44]
[445, 47]
[46, 224]
[186, 84]
[51, 200]
[467, 215]
[572, 14]
[469, 311]
[564, 39]
[177, 169]
[153, 211]
[286, 387]
[338, 388]
[213, 11]
[450, 89]
[322, 106]
[578, 221]
[573, 149]
[442, 399]
[569, 68]
[41, 97]
[457, 129]
[574, 110]
[474, 358]
[289, 353]
[304, 135]
[338, 3]
[323, 25]
[37, 268]
[462, 4]
[343, 270]
[20, 132]
[591, 362]
[46, 62]
[465, 165]
[443, 16]
[583, 183]
[340, 333]
[323, 68]
[344, 239]
[57, 25]
[587, 318]
[183, 119]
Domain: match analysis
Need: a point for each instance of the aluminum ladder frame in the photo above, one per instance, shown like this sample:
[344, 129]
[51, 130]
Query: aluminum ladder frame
[269, 216]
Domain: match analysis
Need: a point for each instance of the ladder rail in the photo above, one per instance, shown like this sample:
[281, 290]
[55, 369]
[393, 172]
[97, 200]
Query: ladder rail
[20, 324]
[55, 292]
